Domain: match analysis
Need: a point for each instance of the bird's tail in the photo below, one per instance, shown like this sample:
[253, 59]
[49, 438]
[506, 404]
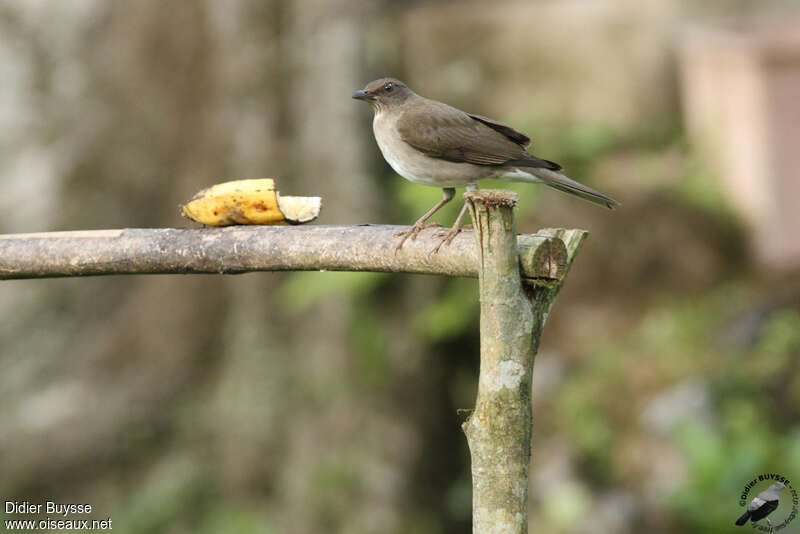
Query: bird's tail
[742, 520]
[563, 183]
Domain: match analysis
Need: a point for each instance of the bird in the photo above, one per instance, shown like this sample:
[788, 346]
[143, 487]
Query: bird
[434, 144]
[762, 505]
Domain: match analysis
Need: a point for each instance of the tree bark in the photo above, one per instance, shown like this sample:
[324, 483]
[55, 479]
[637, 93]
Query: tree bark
[239, 249]
[512, 316]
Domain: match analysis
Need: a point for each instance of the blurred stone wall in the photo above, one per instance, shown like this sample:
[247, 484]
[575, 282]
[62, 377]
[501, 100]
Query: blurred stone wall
[740, 90]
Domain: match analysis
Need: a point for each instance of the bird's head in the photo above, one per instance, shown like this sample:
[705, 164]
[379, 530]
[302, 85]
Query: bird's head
[383, 93]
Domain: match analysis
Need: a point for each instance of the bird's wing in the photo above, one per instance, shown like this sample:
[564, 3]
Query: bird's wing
[764, 510]
[444, 132]
[755, 504]
[518, 137]
[743, 518]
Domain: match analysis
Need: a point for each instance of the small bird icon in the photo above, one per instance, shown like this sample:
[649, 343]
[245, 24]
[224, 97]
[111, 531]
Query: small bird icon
[761, 506]
[433, 144]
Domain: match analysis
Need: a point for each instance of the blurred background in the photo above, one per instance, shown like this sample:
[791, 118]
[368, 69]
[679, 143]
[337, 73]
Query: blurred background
[668, 374]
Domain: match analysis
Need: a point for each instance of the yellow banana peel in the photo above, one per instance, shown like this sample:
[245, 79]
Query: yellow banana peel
[249, 202]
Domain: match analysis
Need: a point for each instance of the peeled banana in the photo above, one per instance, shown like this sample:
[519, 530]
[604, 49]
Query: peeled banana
[249, 202]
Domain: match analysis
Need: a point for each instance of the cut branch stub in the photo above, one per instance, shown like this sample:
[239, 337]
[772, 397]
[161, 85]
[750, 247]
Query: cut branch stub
[572, 238]
[542, 257]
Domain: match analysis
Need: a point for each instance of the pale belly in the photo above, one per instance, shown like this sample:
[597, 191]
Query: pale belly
[419, 168]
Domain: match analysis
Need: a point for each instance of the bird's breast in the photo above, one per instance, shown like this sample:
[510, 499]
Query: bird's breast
[416, 166]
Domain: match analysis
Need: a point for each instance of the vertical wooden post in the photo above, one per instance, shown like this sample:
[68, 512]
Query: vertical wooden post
[499, 429]
[512, 316]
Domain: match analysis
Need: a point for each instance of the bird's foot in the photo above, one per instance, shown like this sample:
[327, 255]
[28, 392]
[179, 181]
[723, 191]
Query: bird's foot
[417, 228]
[453, 231]
[448, 237]
[412, 233]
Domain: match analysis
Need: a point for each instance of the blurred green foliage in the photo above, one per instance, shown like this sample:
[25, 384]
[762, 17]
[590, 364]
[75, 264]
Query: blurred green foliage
[451, 314]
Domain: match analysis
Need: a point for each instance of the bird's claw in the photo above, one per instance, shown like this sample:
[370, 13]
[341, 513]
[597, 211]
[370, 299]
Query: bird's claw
[453, 231]
[416, 229]
[447, 237]
[412, 233]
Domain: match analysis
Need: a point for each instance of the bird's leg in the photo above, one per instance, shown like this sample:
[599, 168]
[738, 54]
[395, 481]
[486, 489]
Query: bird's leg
[447, 195]
[453, 232]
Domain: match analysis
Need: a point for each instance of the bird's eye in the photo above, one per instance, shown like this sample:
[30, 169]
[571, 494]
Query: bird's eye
[388, 87]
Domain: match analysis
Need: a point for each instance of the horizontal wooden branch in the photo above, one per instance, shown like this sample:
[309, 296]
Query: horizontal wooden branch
[239, 249]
